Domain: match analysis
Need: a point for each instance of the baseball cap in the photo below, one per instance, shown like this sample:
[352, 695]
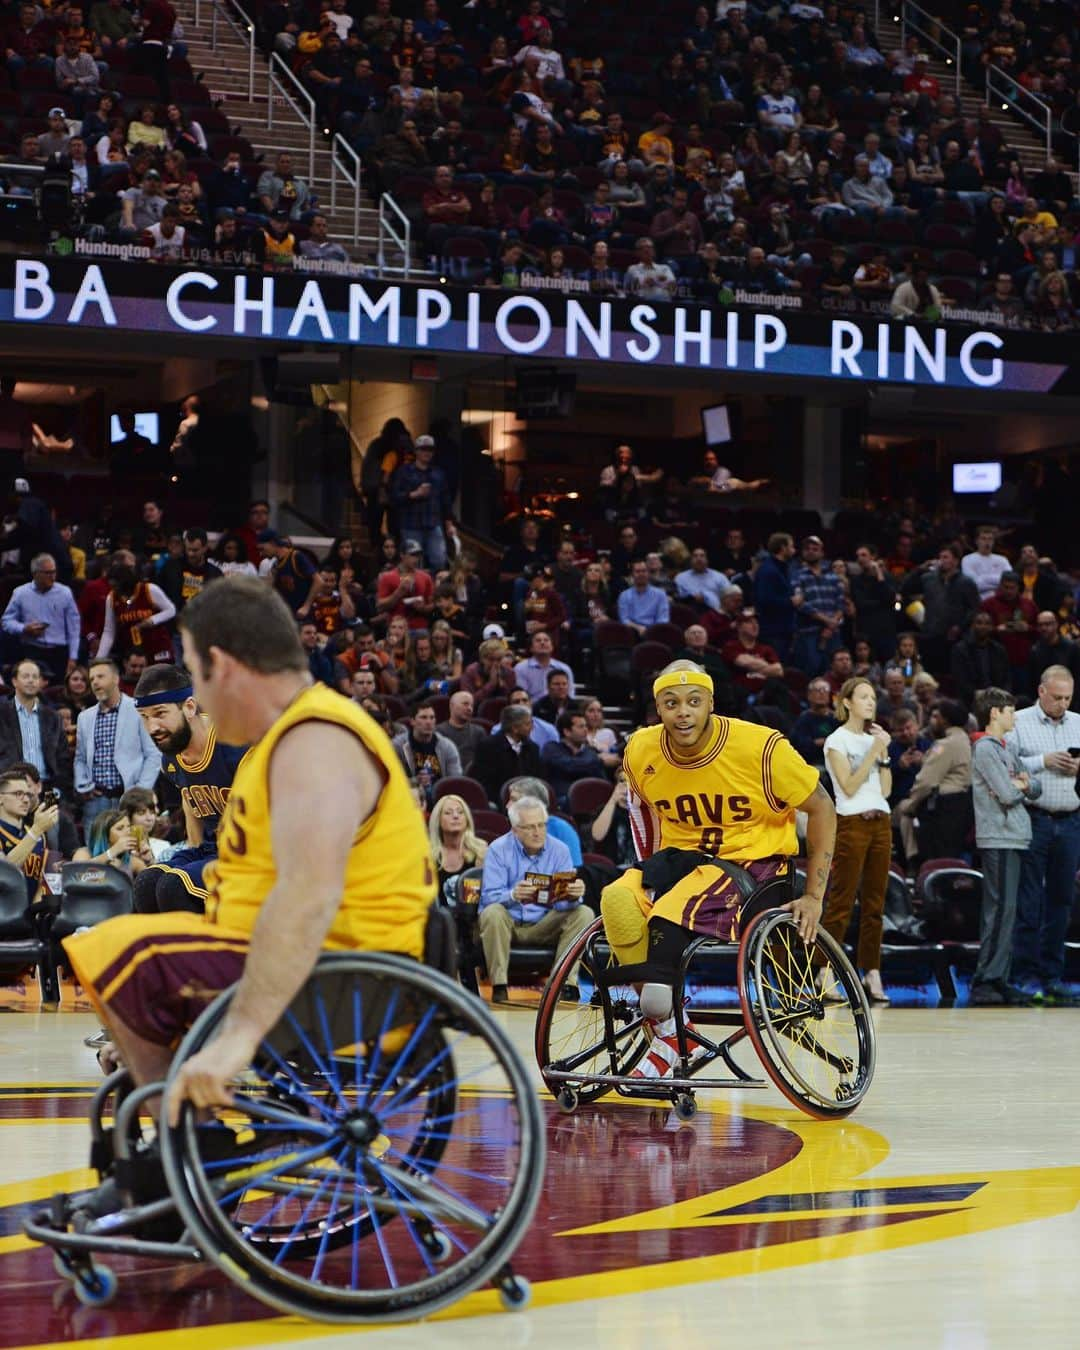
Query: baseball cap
[279, 214]
[152, 173]
[268, 537]
[493, 630]
[749, 613]
[424, 443]
[57, 112]
[410, 546]
[22, 487]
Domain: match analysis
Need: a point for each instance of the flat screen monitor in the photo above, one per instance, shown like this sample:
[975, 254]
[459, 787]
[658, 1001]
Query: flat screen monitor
[146, 424]
[976, 477]
[716, 424]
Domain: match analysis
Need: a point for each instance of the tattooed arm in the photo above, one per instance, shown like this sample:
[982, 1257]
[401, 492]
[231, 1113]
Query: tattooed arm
[820, 841]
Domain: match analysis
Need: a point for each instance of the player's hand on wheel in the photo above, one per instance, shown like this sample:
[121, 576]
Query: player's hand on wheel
[807, 913]
[206, 1079]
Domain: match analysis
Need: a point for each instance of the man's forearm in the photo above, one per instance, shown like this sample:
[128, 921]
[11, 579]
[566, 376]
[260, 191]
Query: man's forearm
[285, 944]
[820, 843]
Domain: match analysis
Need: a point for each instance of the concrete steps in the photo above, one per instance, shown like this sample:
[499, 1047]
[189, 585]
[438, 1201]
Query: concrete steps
[224, 71]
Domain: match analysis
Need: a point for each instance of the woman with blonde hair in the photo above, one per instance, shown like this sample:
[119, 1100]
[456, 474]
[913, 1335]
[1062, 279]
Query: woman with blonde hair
[455, 845]
[446, 658]
[857, 757]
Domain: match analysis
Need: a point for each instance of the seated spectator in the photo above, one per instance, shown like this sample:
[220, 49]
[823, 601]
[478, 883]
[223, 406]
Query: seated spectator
[840, 669]
[491, 675]
[182, 133]
[751, 662]
[113, 839]
[29, 41]
[57, 139]
[455, 845]
[543, 733]
[868, 196]
[167, 239]
[1054, 308]
[461, 729]
[720, 627]
[647, 279]
[145, 130]
[318, 245]
[509, 910]
[279, 188]
[700, 581]
[445, 205]
[570, 757]
[984, 566]
[641, 604]
[532, 672]
[602, 739]
[924, 688]
[426, 755]
[814, 726]
[142, 206]
[508, 752]
[916, 297]
[873, 280]
[114, 25]
[557, 700]
[677, 230]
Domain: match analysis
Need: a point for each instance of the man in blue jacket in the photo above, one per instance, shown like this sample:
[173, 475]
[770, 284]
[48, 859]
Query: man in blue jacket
[774, 596]
[113, 749]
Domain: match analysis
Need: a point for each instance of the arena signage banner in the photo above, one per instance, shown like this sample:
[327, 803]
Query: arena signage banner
[767, 339]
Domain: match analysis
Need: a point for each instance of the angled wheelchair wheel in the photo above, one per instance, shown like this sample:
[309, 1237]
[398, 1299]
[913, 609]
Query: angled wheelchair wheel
[383, 1156]
[807, 1015]
[570, 1037]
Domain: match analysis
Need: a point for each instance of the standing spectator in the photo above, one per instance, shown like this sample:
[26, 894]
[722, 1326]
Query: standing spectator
[507, 753]
[1013, 616]
[774, 595]
[907, 750]
[511, 909]
[1053, 649]
[857, 755]
[1000, 790]
[941, 793]
[701, 582]
[873, 594]
[461, 729]
[814, 726]
[818, 595]
[184, 578]
[642, 605]
[532, 673]
[949, 598]
[1046, 738]
[977, 661]
[113, 750]
[420, 495]
[984, 566]
[43, 615]
[570, 757]
[138, 617]
[31, 731]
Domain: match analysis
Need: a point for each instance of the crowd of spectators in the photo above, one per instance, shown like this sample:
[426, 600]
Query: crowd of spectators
[730, 151]
[539, 665]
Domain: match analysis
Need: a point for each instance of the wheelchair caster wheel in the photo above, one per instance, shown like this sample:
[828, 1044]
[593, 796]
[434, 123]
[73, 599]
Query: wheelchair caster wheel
[96, 1288]
[567, 1100]
[437, 1245]
[515, 1293]
[63, 1267]
[685, 1106]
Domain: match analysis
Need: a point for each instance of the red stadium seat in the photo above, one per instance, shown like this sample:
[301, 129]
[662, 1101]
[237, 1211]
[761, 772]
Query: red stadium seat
[491, 708]
[490, 824]
[670, 634]
[472, 793]
[588, 796]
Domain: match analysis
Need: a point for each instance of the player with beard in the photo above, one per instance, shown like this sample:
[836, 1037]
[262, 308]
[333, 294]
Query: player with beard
[202, 769]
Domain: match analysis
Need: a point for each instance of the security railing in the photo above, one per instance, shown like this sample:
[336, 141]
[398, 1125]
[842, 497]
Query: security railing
[345, 164]
[1004, 90]
[395, 228]
[933, 34]
[242, 25]
[288, 86]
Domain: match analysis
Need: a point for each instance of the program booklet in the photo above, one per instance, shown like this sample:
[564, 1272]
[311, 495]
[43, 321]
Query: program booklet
[550, 887]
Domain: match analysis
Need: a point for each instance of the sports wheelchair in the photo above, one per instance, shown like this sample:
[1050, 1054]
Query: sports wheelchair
[382, 1157]
[802, 1007]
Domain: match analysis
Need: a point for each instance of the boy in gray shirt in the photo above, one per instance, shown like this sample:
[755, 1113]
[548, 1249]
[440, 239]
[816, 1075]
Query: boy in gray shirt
[1000, 791]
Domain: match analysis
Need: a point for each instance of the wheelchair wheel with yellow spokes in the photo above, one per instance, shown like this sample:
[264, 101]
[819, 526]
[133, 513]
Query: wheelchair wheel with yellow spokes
[807, 1015]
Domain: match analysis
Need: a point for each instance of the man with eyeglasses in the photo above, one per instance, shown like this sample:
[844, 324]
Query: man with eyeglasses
[24, 845]
[43, 615]
[514, 906]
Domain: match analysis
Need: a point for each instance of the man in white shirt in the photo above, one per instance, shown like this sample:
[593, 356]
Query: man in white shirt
[648, 279]
[701, 582]
[777, 109]
[549, 64]
[1046, 737]
[984, 566]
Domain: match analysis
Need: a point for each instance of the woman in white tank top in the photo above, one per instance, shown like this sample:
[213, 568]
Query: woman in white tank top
[857, 757]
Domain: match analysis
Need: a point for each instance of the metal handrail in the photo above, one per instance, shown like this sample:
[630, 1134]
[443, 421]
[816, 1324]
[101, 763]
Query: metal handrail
[243, 26]
[386, 229]
[1003, 87]
[352, 179]
[934, 33]
[307, 119]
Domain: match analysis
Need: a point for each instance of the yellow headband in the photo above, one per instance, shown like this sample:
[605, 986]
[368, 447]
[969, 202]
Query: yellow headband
[675, 679]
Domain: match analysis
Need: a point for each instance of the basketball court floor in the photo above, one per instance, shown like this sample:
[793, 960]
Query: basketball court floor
[942, 1213]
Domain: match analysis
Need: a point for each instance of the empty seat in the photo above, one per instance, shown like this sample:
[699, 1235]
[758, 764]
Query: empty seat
[472, 793]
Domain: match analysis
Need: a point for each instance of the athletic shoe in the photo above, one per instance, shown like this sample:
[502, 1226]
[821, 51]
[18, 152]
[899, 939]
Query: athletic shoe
[1061, 994]
[662, 1058]
[986, 996]
[500, 993]
[1013, 996]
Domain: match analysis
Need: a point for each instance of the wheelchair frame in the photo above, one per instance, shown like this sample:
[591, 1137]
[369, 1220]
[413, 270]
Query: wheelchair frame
[623, 1044]
[365, 1090]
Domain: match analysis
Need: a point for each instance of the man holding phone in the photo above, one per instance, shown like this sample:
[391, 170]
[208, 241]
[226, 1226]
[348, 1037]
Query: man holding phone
[1046, 737]
[510, 908]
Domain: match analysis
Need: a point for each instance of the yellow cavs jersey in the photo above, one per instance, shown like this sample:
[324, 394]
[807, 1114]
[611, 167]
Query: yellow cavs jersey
[389, 878]
[735, 800]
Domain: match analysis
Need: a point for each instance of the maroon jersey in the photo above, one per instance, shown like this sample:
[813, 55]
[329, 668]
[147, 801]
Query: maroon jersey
[156, 642]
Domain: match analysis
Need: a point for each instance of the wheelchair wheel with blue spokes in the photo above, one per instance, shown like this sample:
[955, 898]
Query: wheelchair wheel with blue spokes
[384, 1155]
[807, 1015]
